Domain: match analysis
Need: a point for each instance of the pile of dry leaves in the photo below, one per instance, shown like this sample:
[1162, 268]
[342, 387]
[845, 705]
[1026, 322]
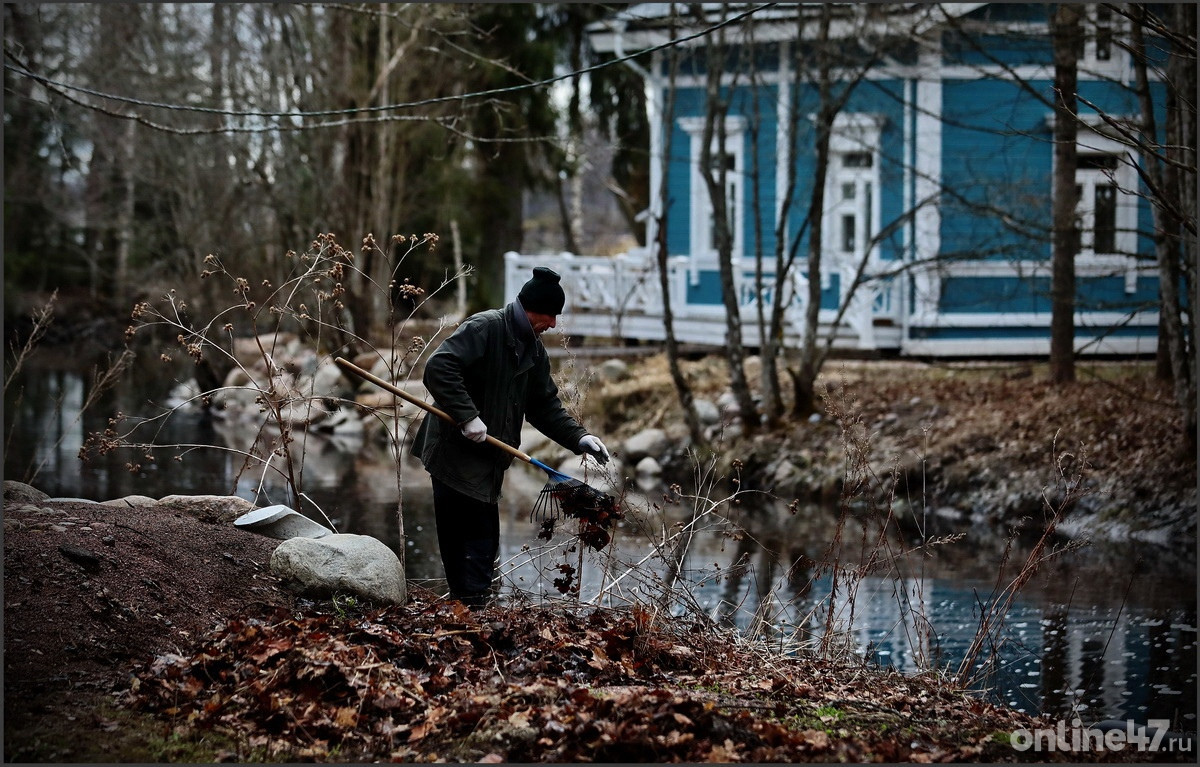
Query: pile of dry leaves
[433, 681]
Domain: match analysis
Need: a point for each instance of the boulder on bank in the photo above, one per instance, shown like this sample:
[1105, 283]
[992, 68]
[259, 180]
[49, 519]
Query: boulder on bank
[21, 494]
[648, 467]
[208, 508]
[614, 370]
[647, 442]
[707, 412]
[340, 563]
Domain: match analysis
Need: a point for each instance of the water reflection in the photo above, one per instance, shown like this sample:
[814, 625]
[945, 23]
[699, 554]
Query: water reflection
[1108, 631]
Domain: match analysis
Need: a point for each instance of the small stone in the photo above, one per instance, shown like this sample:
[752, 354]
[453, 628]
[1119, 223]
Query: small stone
[614, 370]
[648, 467]
[82, 557]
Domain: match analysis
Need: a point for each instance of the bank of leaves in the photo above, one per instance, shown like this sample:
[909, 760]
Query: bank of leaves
[431, 681]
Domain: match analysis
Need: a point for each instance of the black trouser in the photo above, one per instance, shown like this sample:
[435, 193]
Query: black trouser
[469, 538]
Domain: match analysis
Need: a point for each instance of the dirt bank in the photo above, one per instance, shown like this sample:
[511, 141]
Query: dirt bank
[156, 632]
[968, 440]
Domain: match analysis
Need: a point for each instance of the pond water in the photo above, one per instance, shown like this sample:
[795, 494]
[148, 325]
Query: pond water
[1104, 631]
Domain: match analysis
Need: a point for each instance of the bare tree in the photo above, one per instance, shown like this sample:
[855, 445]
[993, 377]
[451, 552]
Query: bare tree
[831, 101]
[1170, 177]
[662, 255]
[715, 170]
[1068, 43]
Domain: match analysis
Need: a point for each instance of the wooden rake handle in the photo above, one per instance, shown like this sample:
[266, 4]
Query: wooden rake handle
[350, 367]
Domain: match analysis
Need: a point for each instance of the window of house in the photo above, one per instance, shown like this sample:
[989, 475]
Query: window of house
[1101, 29]
[730, 158]
[1097, 206]
[852, 185]
[1106, 211]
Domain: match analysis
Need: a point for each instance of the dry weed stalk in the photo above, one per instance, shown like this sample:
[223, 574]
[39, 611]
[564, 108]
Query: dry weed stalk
[310, 300]
[1070, 472]
[103, 378]
[42, 317]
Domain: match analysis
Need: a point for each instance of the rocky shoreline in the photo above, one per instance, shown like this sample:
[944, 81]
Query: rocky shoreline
[979, 443]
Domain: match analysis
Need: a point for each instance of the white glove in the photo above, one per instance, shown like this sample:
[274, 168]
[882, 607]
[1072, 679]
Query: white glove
[594, 447]
[475, 430]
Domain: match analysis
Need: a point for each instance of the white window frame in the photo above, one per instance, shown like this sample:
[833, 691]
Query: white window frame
[701, 209]
[1115, 27]
[852, 134]
[1092, 140]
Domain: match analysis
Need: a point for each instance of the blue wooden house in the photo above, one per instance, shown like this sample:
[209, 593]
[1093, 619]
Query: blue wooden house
[938, 191]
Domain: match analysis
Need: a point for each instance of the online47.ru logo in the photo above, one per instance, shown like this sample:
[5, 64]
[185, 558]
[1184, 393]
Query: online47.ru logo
[1106, 736]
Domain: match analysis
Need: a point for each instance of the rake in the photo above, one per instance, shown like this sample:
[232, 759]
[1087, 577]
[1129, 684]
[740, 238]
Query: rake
[562, 496]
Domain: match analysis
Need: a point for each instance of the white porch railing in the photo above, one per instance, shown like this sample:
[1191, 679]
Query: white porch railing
[620, 297]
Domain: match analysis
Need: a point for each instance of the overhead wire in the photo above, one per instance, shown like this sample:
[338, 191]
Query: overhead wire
[13, 64]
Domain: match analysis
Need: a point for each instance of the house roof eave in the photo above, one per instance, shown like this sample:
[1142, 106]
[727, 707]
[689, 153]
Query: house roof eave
[645, 25]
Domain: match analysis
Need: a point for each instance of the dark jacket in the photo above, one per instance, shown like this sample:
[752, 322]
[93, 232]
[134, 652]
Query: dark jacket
[493, 367]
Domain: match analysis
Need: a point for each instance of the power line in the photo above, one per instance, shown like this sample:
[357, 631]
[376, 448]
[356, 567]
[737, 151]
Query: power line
[61, 87]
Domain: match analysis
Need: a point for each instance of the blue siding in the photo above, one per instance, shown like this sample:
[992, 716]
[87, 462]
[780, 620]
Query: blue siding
[1027, 333]
[997, 159]
[1032, 294]
[707, 290]
[1011, 48]
[989, 50]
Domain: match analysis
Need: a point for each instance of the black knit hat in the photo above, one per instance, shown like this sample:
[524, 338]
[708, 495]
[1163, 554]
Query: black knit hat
[543, 294]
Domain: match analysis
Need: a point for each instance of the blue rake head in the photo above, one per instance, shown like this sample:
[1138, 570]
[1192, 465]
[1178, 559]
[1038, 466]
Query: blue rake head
[554, 475]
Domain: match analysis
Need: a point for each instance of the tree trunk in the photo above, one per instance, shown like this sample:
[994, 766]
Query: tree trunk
[1177, 276]
[715, 178]
[805, 376]
[1065, 239]
[682, 390]
[124, 222]
[1166, 224]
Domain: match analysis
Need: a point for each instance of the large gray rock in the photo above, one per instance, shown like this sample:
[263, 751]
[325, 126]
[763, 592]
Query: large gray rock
[208, 508]
[131, 501]
[249, 351]
[614, 370]
[327, 380]
[341, 563]
[707, 412]
[21, 494]
[648, 467]
[647, 442]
